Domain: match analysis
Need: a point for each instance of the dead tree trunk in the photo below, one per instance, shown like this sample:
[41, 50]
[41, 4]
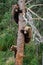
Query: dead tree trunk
[20, 39]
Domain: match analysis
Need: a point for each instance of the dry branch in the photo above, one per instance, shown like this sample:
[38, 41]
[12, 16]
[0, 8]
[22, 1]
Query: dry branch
[35, 14]
[36, 18]
[36, 5]
[28, 2]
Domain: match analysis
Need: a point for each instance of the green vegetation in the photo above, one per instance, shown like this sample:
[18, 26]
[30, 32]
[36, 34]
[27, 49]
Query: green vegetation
[4, 58]
[30, 53]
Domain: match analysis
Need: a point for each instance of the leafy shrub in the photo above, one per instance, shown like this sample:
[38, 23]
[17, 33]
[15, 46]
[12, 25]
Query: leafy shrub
[6, 40]
[30, 54]
[4, 56]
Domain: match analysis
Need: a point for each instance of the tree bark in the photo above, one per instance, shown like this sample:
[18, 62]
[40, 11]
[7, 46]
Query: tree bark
[20, 39]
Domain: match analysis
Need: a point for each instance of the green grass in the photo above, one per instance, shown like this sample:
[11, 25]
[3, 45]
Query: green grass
[4, 57]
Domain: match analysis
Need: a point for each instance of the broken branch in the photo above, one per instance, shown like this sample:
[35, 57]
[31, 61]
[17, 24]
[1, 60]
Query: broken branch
[35, 14]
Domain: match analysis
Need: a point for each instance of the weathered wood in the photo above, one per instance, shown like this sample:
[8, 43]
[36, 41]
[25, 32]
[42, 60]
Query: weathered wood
[20, 39]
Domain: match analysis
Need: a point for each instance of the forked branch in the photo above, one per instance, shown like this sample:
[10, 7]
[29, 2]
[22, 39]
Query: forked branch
[35, 14]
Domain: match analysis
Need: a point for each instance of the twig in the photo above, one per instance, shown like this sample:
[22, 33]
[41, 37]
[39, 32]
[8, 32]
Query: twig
[28, 2]
[36, 5]
[36, 18]
[35, 14]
